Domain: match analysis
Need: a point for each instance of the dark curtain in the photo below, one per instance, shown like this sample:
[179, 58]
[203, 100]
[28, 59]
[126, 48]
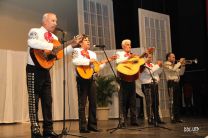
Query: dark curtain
[207, 16]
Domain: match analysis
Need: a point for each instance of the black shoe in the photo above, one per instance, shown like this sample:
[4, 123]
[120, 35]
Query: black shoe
[134, 124]
[94, 129]
[150, 121]
[161, 122]
[123, 125]
[35, 133]
[173, 121]
[155, 123]
[84, 131]
[179, 121]
[50, 133]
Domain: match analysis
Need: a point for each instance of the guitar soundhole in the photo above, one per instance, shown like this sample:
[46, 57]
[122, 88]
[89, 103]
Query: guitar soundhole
[136, 61]
[128, 67]
[50, 57]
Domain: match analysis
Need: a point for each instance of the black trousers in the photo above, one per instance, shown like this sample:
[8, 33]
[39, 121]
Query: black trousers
[174, 99]
[152, 101]
[86, 88]
[39, 86]
[128, 100]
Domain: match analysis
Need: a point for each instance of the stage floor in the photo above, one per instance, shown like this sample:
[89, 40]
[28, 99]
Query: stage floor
[192, 128]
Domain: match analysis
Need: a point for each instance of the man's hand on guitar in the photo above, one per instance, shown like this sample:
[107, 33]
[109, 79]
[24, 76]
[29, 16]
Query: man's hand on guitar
[159, 63]
[53, 52]
[114, 57]
[92, 60]
[75, 41]
[132, 55]
[149, 51]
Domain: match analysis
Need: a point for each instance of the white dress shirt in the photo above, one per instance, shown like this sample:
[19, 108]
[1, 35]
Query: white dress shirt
[37, 40]
[145, 76]
[81, 60]
[173, 71]
[121, 57]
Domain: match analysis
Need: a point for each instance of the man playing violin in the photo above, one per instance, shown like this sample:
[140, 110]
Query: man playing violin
[38, 76]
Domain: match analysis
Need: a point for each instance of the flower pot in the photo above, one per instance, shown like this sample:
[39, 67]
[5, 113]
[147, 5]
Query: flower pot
[102, 113]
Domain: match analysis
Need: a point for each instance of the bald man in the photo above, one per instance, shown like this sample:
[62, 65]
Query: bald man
[38, 76]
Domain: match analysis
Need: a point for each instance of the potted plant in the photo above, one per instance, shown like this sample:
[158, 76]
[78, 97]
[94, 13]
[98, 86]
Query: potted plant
[105, 87]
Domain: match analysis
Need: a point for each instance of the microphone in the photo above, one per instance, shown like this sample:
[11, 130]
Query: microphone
[100, 46]
[60, 30]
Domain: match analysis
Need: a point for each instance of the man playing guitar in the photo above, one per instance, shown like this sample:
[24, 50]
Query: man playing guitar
[41, 57]
[86, 65]
[125, 67]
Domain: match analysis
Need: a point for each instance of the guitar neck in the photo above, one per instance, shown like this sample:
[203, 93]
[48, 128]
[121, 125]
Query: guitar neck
[149, 51]
[59, 48]
[106, 60]
[143, 54]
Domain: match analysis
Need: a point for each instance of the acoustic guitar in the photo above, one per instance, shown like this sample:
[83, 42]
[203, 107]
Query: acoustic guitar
[86, 72]
[129, 70]
[46, 58]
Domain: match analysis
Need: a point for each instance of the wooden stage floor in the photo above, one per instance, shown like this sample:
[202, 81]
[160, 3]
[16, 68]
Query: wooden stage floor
[191, 128]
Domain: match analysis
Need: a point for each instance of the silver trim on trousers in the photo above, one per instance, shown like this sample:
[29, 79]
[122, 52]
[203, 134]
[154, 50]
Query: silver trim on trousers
[33, 108]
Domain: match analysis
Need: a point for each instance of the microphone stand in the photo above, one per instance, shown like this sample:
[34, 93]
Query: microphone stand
[155, 103]
[64, 130]
[114, 74]
[119, 126]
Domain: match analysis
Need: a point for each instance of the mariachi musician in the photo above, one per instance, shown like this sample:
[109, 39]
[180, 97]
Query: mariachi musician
[149, 77]
[128, 71]
[173, 71]
[86, 65]
[43, 50]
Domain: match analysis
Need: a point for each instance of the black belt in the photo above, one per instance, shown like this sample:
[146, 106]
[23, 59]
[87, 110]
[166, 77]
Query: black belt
[172, 81]
[148, 85]
[34, 67]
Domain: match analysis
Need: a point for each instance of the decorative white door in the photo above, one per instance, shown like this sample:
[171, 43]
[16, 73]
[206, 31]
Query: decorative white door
[95, 18]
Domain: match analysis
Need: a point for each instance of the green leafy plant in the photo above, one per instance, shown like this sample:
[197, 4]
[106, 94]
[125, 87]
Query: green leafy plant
[105, 87]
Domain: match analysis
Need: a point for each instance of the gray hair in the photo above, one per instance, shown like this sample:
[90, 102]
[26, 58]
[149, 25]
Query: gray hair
[45, 16]
[125, 41]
